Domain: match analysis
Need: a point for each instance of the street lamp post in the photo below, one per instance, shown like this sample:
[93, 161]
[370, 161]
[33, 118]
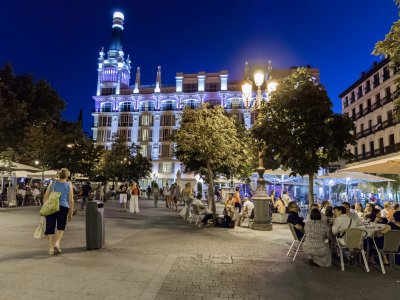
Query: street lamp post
[262, 218]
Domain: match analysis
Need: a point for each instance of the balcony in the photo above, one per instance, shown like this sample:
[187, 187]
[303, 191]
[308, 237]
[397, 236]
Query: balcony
[359, 94]
[127, 109]
[376, 105]
[147, 109]
[377, 152]
[367, 110]
[145, 139]
[104, 110]
[376, 83]
[387, 123]
[387, 99]
[352, 99]
[367, 88]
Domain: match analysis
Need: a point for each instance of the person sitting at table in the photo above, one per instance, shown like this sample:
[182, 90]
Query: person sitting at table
[368, 208]
[379, 237]
[389, 215]
[295, 219]
[341, 222]
[376, 217]
[329, 214]
[280, 206]
[386, 208]
[248, 207]
[315, 243]
[351, 214]
[359, 210]
[315, 206]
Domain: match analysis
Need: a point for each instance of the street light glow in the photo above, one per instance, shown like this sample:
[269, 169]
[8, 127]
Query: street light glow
[258, 78]
[272, 86]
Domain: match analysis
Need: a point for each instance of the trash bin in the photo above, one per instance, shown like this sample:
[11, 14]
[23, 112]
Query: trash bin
[95, 233]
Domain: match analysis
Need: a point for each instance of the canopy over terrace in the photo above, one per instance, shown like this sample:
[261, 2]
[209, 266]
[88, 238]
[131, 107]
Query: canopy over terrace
[389, 165]
[343, 177]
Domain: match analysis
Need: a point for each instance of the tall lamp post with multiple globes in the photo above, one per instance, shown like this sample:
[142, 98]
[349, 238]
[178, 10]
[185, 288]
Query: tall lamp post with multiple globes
[262, 218]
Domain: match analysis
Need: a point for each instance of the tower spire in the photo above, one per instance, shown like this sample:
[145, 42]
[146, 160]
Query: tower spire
[117, 29]
[246, 71]
[158, 80]
[269, 70]
[137, 81]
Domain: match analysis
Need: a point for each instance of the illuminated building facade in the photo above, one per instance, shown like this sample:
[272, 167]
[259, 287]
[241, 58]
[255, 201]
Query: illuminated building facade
[147, 114]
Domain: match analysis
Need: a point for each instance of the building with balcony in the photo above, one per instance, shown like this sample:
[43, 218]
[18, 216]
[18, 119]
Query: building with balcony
[369, 103]
[148, 114]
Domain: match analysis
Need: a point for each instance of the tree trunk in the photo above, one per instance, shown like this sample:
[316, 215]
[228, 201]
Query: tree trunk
[211, 193]
[310, 190]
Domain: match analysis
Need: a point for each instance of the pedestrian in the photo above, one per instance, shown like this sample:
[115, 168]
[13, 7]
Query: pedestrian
[86, 190]
[59, 218]
[134, 203]
[236, 197]
[156, 194]
[175, 194]
[123, 196]
[187, 195]
[148, 192]
[167, 196]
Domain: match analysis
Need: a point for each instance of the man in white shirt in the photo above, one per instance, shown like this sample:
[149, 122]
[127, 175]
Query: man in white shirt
[341, 222]
[286, 198]
[248, 207]
[352, 215]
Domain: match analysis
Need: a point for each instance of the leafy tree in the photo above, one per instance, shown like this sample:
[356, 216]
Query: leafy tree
[123, 162]
[299, 129]
[208, 143]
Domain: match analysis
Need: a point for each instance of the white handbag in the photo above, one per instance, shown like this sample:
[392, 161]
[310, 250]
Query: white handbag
[39, 232]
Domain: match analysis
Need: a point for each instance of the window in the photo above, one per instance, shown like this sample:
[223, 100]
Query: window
[146, 120]
[125, 120]
[370, 124]
[356, 151]
[191, 103]
[367, 86]
[361, 109]
[107, 91]
[353, 113]
[371, 147]
[104, 121]
[166, 168]
[362, 128]
[165, 150]
[379, 119]
[363, 150]
[389, 116]
[103, 136]
[386, 73]
[381, 146]
[168, 105]
[212, 87]
[378, 98]
[376, 79]
[359, 92]
[165, 134]
[126, 107]
[145, 135]
[145, 150]
[369, 103]
[213, 102]
[190, 87]
[147, 106]
[107, 107]
[167, 120]
[352, 97]
[391, 139]
[126, 134]
[239, 117]
[109, 75]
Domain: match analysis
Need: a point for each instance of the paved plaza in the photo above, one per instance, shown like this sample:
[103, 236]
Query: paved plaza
[156, 255]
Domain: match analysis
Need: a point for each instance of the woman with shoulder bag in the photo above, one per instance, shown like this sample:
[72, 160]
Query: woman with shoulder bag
[60, 217]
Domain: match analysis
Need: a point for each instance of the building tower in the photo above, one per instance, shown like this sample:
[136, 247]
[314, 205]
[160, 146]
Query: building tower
[114, 71]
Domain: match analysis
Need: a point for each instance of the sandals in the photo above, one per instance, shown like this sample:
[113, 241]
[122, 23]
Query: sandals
[51, 251]
[57, 250]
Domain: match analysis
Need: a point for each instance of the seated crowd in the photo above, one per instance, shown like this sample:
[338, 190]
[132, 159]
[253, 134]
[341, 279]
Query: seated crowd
[321, 226]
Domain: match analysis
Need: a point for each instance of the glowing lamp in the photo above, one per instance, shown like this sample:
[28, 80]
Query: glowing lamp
[258, 79]
[272, 86]
[118, 15]
[246, 88]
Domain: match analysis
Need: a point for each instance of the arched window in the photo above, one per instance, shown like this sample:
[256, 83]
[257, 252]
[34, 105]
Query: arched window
[107, 107]
[168, 105]
[126, 107]
[109, 75]
[147, 105]
[235, 103]
[125, 78]
[192, 103]
[213, 102]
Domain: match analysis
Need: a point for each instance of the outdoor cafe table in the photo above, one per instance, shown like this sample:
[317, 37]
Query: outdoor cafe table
[372, 229]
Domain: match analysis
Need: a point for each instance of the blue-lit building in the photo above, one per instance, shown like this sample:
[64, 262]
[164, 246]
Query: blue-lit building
[147, 114]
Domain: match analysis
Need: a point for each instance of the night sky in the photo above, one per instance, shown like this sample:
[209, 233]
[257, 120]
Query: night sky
[60, 40]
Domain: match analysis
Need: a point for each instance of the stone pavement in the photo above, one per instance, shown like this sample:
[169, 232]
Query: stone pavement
[156, 255]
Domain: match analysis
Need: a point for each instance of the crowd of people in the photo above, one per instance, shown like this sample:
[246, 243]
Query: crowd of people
[326, 224]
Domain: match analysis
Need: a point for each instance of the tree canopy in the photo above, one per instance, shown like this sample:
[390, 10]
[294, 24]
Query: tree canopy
[299, 130]
[208, 143]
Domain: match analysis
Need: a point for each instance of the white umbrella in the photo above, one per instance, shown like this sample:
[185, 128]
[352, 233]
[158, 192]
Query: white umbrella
[17, 166]
[389, 165]
[354, 176]
[46, 174]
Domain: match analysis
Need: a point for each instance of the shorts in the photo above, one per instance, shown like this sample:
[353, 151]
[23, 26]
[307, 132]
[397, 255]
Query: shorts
[58, 218]
[123, 198]
[175, 199]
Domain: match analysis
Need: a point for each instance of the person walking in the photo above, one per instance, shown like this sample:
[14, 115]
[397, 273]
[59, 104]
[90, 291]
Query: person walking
[167, 196]
[236, 197]
[59, 218]
[156, 194]
[134, 203]
[187, 195]
[123, 197]
[86, 190]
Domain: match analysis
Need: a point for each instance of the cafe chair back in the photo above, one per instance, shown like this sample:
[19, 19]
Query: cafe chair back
[297, 242]
[196, 211]
[391, 245]
[353, 240]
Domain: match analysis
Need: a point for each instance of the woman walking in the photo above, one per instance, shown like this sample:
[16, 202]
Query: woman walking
[134, 203]
[187, 195]
[59, 218]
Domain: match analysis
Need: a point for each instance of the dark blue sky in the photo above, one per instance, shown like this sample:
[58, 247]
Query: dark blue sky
[60, 40]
